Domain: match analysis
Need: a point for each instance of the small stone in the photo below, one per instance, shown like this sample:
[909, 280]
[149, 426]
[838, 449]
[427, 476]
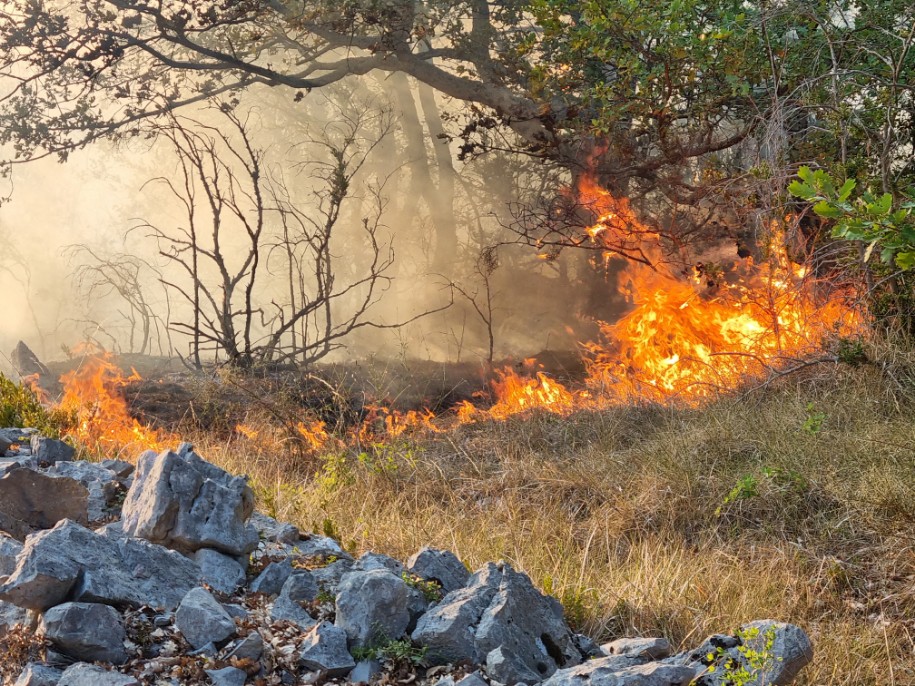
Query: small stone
[370, 561]
[83, 674]
[227, 676]
[271, 580]
[219, 571]
[324, 649]
[51, 450]
[36, 674]
[86, 631]
[202, 620]
[364, 671]
[504, 666]
[650, 648]
[441, 566]
[251, 647]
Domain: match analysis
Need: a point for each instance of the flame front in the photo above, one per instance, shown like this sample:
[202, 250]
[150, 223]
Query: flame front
[102, 422]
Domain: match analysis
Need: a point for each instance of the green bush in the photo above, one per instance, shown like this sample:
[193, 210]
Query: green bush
[20, 407]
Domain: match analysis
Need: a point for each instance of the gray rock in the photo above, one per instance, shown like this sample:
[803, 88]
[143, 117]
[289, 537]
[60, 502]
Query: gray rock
[72, 562]
[12, 616]
[202, 620]
[121, 468]
[650, 648]
[251, 647]
[17, 436]
[51, 450]
[299, 588]
[441, 566]
[86, 631]
[227, 676]
[448, 630]
[9, 551]
[82, 674]
[30, 500]
[499, 609]
[271, 580]
[372, 607]
[328, 578]
[221, 572]
[790, 651]
[587, 647]
[504, 666]
[236, 611]
[370, 561]
[324, 650]
[36, 674]
[473, 679]
[364, 671]
[269, 529]
[605, 672]
[313, 545]
[101, 483]
[183, 502]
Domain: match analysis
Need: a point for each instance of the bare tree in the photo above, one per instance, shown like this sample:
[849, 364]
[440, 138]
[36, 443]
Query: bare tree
[247, 230]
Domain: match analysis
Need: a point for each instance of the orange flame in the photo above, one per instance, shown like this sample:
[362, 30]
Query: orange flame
[315, 434]
[103, 422]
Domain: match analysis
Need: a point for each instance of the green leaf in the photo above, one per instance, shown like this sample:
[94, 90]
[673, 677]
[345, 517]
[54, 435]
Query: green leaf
[805, 174]
[827, 210]
[884, 204]
[801, 190]
[846, 189]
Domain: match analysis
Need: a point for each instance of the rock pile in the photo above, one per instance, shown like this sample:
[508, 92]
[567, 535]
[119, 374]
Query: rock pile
[166, 575]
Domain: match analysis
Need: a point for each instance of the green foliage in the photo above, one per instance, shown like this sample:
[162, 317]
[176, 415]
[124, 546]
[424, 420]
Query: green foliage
[851, 351]
[20, 407]
[885, 225]
[753, 662]
[431, 590]
[401, 652]
[813, 422]
[750, 486]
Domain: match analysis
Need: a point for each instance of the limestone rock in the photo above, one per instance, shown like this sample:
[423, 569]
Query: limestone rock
[221, 572]
[441, 566]
[30, 500]
[251, 647]
[202, 620]
[271, 580]
[269, 529]
[650, 648]
[507, 668]
[499, 609]
[36, 674]
[183, 502]
[372, 607]
[606, 672]
[108, 570]
[83, 674]
[324, 650]
[227, 676]
[86, 631]
[51, 450]
[299, 588]
[12, 616]
[9, 551]
[370, 561]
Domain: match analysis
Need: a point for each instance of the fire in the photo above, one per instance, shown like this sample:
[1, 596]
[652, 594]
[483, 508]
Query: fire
[248, 432]
[686, 339]
[515, 394]
[102, 420]
[315, 434]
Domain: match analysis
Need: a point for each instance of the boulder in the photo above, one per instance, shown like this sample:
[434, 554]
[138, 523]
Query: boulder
[372, 607]
[181, 501]
[369, 561]
[9, 551]
[30, 500]
[70, 562]
[251, 647]
[36, 674]
[101, 483]
[202, 620]
[328, 578]
[650, 648]
[441, 566]
[86, 631]
[606, 672]
[221, 572]
[83, 674]
[786, 650]
[324, 650]
[121, 468]
[51, 450]
[499, 609]
[504, 666]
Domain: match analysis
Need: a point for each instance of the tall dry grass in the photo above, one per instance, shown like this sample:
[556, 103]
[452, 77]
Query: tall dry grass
[793, 502]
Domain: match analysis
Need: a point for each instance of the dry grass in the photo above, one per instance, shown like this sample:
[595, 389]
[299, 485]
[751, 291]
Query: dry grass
[625, 514]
